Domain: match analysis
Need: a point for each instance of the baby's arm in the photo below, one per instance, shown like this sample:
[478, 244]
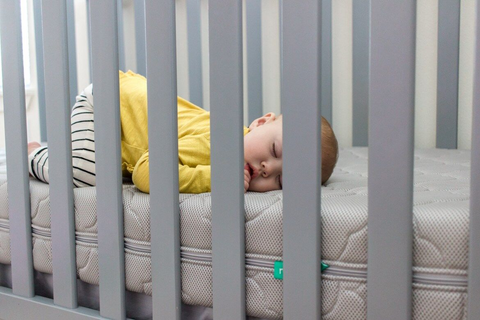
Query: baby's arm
[190, 180]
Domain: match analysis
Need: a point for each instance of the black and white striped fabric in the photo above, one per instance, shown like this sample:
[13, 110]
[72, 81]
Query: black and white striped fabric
[83, 145]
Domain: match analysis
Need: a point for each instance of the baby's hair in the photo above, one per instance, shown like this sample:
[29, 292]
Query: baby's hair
[329, 150]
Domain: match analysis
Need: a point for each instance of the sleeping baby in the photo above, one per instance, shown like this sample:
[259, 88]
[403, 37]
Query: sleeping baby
[262, 144]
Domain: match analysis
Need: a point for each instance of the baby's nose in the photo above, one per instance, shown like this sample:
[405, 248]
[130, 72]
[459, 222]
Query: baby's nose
[264, 170]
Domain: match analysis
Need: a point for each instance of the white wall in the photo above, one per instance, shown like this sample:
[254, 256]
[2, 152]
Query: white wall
[426, 73]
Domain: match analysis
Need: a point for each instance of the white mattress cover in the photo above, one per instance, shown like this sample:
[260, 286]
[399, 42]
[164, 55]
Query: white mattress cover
[441, 203]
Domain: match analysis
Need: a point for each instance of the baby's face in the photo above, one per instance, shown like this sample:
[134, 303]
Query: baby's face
[263, 147]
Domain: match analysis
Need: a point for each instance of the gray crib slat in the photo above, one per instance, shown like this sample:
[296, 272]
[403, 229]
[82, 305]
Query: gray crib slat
[16, 147]
[390, 165]
[301, 105]
[14, 307]
[139, 6]
[121, 38]
[226, 105]
[72, 53]
[361, 30]
[474, 249]
[326, 62]
[54, 17]
[108, 158]
[89, 32]
[37, 20]
[447, 74]
[163, 148]
[194, 53]
[254, 58]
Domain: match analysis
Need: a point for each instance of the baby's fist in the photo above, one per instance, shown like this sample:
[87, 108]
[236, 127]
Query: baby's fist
[246, 182]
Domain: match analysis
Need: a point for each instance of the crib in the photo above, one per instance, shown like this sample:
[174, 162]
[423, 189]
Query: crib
[383, 93]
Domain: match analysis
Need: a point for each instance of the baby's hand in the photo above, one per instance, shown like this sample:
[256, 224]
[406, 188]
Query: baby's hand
[32, 146]
[246, 182]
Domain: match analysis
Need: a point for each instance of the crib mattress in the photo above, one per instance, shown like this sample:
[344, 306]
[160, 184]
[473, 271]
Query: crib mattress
[441, 207]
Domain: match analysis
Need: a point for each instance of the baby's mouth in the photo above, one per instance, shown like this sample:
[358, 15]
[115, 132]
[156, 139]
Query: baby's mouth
[253, 171]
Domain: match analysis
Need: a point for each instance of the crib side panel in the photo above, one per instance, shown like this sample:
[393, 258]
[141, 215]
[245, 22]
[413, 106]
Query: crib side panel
[120, 36]
[390, 166]
[139, 7]
[226, 105]
[54, 17]
[37, 20]
[360, 72]
[13, 307]
[326, 61]
[253, 28]
[163, 149]
[447, 78]
[16, 147]
[195, 85]
[108, 158]
[72, 53]
[474, 253]
[301, 159]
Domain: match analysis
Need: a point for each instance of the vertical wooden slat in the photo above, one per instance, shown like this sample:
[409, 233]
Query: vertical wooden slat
[474, 253]
[37, 20]
[194, 52]
[226, 105]
[447, 72]
[301, 103]
[390, 166]
[72, 54]
[89, 34]
[108, 158]
[326, 61]
[254, 58]
[16, 148]
[121, 38]
[139, 6]
[56, 53]
[361, 32]
[163, 148]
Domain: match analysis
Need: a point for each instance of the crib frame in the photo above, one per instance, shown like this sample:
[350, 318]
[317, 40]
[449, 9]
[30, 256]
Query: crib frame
[388, 64]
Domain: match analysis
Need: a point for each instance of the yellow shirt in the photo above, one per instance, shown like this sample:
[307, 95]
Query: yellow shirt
[193, 138]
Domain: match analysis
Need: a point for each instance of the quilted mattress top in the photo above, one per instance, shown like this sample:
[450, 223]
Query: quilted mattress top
[441, 208]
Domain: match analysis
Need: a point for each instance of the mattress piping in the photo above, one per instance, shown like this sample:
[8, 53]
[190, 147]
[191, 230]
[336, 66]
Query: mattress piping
[341, 271]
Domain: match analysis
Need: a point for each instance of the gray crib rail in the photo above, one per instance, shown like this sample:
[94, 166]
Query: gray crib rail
[139, 6]
[226, 120]
[390, 163]
[195, 86]
[447, 79]
[326, 60]
[54, 18]
[37, 20]
[163, 151]
[16, 147]
[108, 158]
[253, 28]
[361, 72]
[474, 253]
[301, 159]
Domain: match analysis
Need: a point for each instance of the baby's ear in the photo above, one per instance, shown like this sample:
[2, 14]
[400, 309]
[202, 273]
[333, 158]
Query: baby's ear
[262, 120]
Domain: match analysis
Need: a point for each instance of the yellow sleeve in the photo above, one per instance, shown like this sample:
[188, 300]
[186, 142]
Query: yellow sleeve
[191, 180]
